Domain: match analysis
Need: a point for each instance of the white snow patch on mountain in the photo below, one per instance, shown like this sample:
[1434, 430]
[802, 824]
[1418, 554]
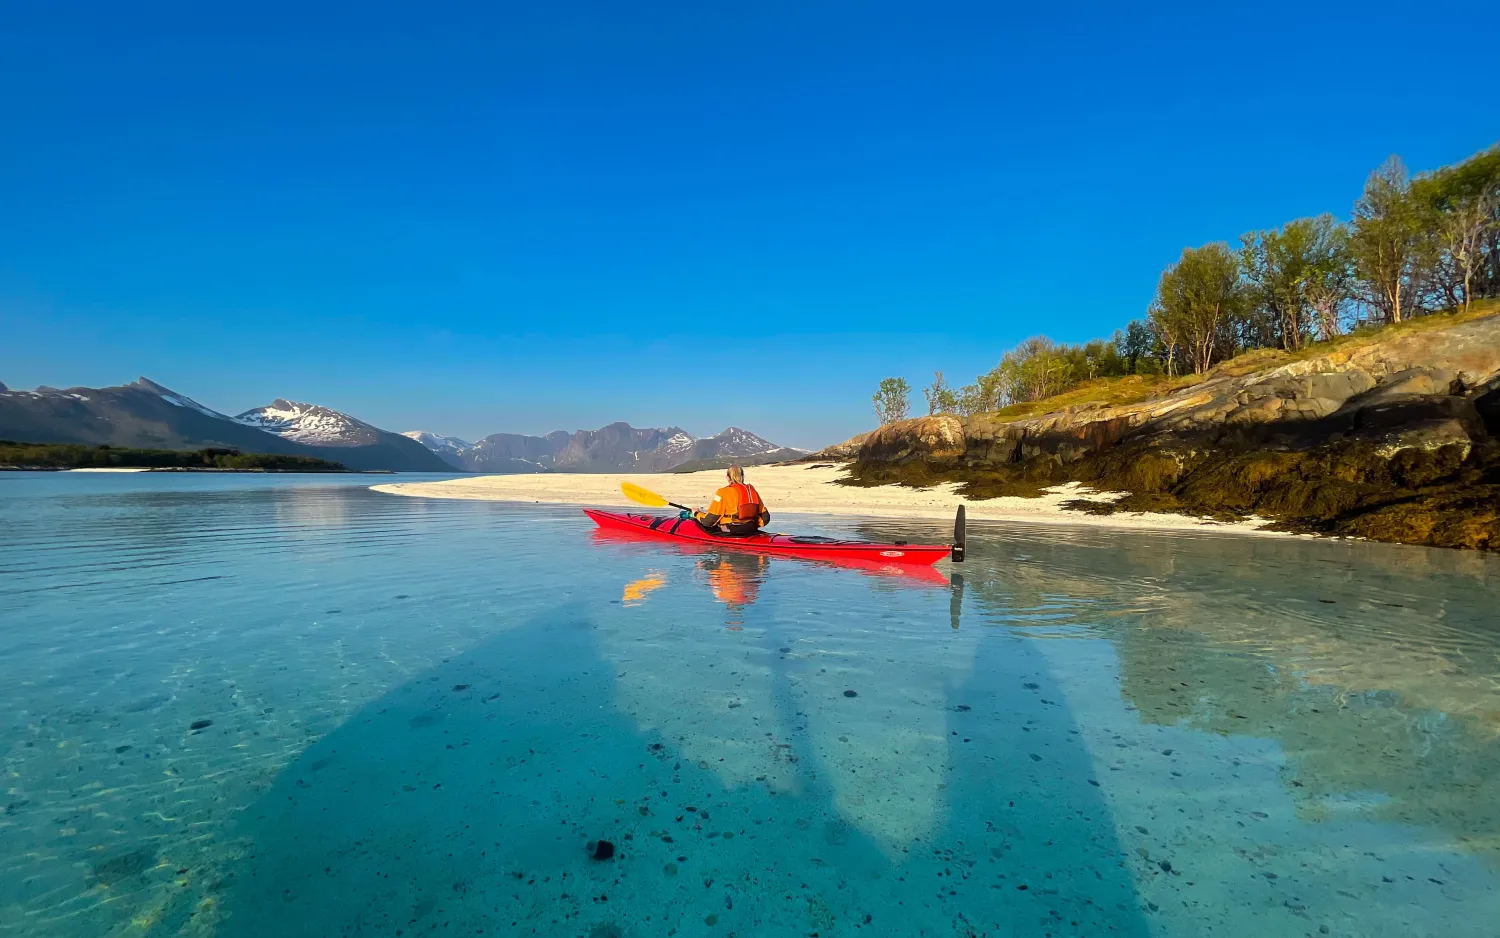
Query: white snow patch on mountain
[305, 423]
[170, 396]
[438, 443]
[736, 442]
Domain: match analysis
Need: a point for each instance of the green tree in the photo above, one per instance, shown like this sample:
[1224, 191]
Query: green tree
[1460, 205]
[1328, 278]
[1198, 300]
[1037, 368]
[983, 395]
[892, 400]
[941, 399]
[1296, 277]
[1386, 242]
[1135, 344]
[1102, 359]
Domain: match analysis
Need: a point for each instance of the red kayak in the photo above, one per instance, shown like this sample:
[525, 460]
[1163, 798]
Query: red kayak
[815, 548]
[919, 574]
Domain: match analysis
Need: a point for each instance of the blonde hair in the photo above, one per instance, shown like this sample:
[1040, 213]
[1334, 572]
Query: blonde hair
[736, 475]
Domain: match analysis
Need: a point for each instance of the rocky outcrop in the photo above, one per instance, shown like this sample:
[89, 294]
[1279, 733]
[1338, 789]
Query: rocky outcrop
[838, 452]
[1391, 439]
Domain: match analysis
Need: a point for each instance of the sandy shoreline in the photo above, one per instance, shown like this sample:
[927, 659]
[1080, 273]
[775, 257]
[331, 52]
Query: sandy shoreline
[801, 489]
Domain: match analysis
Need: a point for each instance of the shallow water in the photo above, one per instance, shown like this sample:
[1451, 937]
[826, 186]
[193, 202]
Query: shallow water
[413, 716]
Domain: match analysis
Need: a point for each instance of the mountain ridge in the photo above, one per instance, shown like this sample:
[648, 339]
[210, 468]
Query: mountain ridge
[615, 447]
[148, 415]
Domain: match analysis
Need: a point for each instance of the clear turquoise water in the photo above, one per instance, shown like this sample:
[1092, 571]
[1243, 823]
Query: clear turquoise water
[423, 711]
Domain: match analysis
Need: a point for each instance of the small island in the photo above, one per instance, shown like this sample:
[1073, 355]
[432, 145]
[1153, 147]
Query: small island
[58, 456]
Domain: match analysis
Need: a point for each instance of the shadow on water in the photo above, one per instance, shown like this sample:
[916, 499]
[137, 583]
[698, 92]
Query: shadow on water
[1029, 819]
[464, 801]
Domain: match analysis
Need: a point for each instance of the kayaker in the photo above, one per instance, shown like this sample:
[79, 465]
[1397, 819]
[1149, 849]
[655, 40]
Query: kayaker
[736, 509]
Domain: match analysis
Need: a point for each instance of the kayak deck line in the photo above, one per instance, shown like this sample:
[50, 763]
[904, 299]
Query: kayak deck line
[674, 528]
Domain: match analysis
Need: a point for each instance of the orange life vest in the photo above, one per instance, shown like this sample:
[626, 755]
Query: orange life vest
[736, 502]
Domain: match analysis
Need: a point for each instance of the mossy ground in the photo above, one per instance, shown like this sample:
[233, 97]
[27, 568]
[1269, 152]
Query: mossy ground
[1132, 389]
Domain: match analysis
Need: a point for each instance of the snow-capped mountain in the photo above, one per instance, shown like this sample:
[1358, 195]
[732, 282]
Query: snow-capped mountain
[326, 428]
[309, 423]
[140, 414]
[617, 447]
[450, 449]
[736, 442]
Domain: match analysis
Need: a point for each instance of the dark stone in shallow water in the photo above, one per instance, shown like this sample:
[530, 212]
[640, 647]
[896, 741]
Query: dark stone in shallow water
[201, 724]
[124, 866]
[850, 693]
[600, 849]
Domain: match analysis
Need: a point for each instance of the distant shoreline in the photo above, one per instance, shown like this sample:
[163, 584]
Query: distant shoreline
[803, 489]
[299, 472]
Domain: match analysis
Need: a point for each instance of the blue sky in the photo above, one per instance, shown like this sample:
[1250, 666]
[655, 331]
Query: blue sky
[472, 218]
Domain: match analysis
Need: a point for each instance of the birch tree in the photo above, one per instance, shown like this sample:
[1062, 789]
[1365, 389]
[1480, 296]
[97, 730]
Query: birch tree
[1463, 209]
[1386, 241]
[1196, 299]
[892, 400]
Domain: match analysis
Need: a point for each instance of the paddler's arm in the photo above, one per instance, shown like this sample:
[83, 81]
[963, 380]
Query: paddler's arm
[710, 517]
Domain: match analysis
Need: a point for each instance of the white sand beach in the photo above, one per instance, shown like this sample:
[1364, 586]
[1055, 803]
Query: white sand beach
[793, 489]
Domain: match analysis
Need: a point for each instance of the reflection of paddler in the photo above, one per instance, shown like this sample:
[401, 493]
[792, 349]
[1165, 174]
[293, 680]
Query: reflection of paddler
[735, 580]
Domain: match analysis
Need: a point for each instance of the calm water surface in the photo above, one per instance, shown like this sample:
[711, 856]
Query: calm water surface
[246, 705]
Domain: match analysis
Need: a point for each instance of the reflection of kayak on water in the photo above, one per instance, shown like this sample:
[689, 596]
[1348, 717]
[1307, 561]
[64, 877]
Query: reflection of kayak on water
[915, 574]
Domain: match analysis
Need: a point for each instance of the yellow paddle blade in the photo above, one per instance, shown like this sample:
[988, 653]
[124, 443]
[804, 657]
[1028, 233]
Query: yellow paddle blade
[643, 496]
